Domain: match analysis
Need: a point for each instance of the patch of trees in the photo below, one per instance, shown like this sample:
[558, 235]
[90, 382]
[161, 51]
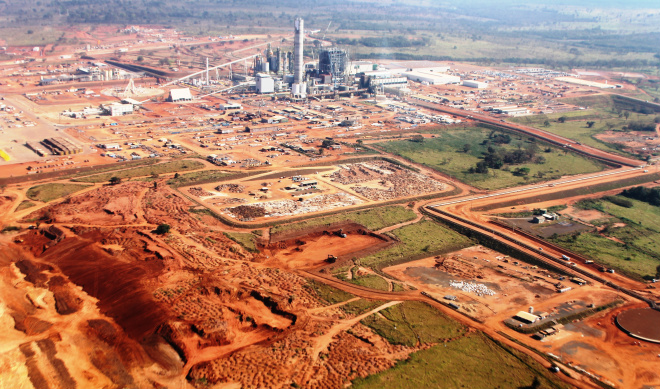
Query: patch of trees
[647, 195]
[639, 126]
[496, 158]
[619, 201]
[500, 139]
[385, 41]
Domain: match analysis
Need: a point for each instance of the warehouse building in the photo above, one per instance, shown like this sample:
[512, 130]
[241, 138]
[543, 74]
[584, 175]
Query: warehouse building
[526, 317]
[177, 95]
[431, 78]
[475, 84]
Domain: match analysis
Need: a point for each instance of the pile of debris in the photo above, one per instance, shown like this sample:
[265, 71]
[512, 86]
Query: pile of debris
[278, 208]
[472, 287]
[457, 268]
[385, 181]
[199, 192]
[248, 212]
[231, 188]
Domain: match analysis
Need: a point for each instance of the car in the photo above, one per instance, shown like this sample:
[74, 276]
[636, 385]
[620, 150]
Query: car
[540, 248]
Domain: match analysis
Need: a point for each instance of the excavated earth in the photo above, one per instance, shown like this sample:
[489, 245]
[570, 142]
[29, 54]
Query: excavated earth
[95, 298]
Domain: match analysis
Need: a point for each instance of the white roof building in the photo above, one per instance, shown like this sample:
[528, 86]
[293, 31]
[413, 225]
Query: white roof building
[182, 94]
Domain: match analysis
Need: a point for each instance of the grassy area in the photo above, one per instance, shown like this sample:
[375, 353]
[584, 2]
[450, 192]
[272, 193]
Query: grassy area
[197, 178]
[161, 168]
[49, 192]
[328, 293]
[446, 154]
[411, 323]
[25, 204]
[30, 36]
[370, 281]
[575, 127]
[361, 306]
[246, 240]
[473, 361]
[639, 254]
[417, 240]
[374, 219]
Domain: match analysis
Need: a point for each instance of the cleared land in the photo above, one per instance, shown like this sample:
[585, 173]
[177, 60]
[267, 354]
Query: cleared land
[446, 153]
[50, 192]
[626, 240]
[374, 219]
[161, 168]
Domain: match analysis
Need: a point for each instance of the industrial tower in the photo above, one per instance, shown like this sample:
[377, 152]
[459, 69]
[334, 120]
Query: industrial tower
[299, 88]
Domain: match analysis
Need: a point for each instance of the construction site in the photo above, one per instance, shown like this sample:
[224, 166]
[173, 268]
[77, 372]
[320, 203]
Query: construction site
[229, 212]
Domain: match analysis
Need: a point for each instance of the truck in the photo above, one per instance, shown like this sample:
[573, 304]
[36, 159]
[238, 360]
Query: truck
[565, 258]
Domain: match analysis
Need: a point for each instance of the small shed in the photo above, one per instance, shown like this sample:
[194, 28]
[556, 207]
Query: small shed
[538, 219]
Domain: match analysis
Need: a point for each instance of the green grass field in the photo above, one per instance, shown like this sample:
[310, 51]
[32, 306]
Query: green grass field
[445, 154]
[576, 127]
[472, 361]
[370, 281]
[361, 306]
[374, 219]
[25, 204]
[50, 192]
[411, 323]
[639, 254]
[161, 168]
[328, 293]
[197, 178]
[246, 240]
[418, 239]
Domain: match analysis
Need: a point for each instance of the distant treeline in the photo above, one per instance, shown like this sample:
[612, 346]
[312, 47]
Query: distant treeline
[642, 193]
[548, 62]
[397, 41]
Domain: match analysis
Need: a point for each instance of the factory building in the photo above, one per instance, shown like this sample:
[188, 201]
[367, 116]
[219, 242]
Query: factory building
[378, 80]
[264, 83]
[431, 78]
[118, 109]
[418, 66]
[182, 94]
[334, 61]
[361, 67]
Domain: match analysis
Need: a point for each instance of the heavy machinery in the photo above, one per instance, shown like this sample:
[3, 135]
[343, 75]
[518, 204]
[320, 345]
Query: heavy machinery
[331, 258]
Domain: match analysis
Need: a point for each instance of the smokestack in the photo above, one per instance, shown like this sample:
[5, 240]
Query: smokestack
[298, 89]
[298, 43]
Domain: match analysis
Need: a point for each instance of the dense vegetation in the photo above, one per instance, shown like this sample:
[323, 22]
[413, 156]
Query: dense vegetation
[490, 160]
[647, 195]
